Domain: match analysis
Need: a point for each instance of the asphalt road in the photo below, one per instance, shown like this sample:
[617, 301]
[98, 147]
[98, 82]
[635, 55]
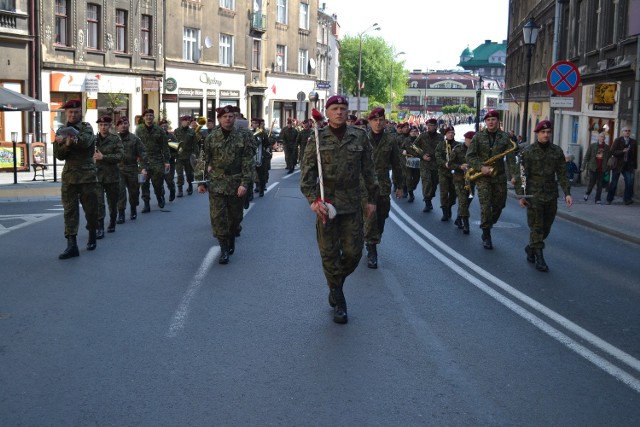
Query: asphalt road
[150, 330]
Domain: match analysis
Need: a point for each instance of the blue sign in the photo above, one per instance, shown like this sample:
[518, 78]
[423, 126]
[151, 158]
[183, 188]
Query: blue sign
[563, 78]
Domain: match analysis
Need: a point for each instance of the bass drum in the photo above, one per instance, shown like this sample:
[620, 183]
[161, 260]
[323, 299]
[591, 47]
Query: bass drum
[413, 162]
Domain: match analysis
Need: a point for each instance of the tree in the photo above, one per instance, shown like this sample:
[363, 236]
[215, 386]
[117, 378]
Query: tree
[377, 62]
[458, 109]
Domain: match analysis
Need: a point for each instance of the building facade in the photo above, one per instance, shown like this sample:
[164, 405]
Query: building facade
[488, 59]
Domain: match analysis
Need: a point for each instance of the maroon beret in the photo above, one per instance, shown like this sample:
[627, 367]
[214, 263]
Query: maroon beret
[545, 124]
[361, 122]
[210, 120]
[185, 117]
[470, 134]
[449, 129]
[104, 119]
[376, 113]
[163, 122]
[148, 111]
[221, 111]
[337, 99]
[122, 120]
[432, 122]
[492, 113]
[352, 117]
[73, 103]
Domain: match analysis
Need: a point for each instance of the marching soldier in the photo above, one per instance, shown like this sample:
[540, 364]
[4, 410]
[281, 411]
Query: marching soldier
[187, 145]
[229, 159]
[427, 142]
[346, 159]
[544, 168]
[169, 177]
[129, 167]
[464, 189]
[445, 175]
[289, 137]
[411, 172]
[109, 153]
[262, 160]
[155, 141]
[303, 138]
[493, 144]
[386, 156]
[76, 145]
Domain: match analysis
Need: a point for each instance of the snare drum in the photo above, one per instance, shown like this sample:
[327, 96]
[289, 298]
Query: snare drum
[413, 162]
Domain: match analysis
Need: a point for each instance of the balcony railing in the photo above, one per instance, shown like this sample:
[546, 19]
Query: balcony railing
[258, 22]
[8, 19]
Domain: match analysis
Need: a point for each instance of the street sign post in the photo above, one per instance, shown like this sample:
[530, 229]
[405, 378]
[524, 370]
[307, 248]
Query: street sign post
[563, 78]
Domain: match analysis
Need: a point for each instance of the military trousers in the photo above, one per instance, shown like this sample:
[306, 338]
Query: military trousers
[374, 225]
[169, 178]
[155, 176]
[463, 199]
[447, 189]
[492, 193]
[429, 182]
[340, 242]
[226, 212]
[183, 167]
[262, 175]
[86, 194]
[411, 178]
[112, 191]
[128, 183]
[540, 217]
[290, 156]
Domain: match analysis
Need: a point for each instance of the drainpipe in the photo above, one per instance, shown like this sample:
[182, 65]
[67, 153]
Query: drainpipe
[636, 95]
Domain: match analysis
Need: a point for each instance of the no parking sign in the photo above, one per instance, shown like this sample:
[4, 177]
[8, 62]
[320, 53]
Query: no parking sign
[563, 78]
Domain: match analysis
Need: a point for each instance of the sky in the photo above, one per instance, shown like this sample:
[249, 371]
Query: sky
[432, 33]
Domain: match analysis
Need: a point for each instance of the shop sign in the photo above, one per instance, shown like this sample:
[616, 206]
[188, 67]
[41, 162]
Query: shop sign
[187, 91]
[169, 97]
[149, 85]
[210, 80]
[91, 85]
[170, 84]
[229, 93]
[211, 93]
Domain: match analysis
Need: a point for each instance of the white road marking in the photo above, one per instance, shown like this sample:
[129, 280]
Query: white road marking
[28, 219]
[287, 176]
[600, 362]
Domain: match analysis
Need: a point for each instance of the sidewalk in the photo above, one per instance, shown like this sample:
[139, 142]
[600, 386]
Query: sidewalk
[616, 219]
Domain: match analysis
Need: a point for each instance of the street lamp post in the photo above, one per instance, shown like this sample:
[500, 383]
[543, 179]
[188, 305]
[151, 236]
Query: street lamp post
[391, 82]
[373, 27]
[14, 140]
[530, 33]
[478, 101]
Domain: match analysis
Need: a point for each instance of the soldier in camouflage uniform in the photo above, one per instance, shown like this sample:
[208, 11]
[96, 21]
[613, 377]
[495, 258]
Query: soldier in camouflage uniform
[411, 171]
[169, 177]
[129, 168]
[156, 145]
[346, 159]
[109, 153]
[445, 175]
[492, 185]
[428, 142]
[459, 165]
[544, 168]
[230, 161]
[187, 145]
[78, 177]
[263, 144]
[402, 136]
[303, 138]
[386, 156]
[289, 136]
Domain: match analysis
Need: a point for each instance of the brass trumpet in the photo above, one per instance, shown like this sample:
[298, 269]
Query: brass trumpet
[472, 174]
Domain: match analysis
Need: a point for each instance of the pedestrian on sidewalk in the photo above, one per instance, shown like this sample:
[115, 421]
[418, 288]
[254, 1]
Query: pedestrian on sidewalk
[595, 163]
[625, 152]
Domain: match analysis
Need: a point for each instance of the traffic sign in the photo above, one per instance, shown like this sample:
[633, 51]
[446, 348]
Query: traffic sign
[563, 78]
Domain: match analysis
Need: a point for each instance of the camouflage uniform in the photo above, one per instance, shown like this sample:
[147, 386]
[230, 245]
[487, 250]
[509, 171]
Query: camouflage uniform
[169, 177]
[289, 137]
[262, 171]
[79, 178]
[129, 169]
[411, 175]
[445, 177]
[344, 163]
[301, 141]
[428, 142]
[458, 158]
[155, 141]
[231, 159]
[188, 145]
[544, 168]
[108, 176]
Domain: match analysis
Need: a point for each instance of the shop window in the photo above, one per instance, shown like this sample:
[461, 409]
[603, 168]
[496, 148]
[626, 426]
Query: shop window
[190, 107]
[113, 104]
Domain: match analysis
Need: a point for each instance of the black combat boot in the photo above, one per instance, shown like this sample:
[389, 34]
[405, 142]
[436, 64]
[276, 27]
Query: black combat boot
[172, 196]
[147, 207]
[112, 224]
[100, 231]
[458, 222]
[340, 309]
[372, 255]
[180, 193]
[261, 192]
[540, 264]
[120, 219]
[232, 244]
[428, 207]
[465, 225]
[411, 197]
[486, 238]
[189, 189]
[445, 214]
[134, 213]
[224, 252]
[72, 249]
[161, 202]
[531, 256]
[405, 192]
[91, 243]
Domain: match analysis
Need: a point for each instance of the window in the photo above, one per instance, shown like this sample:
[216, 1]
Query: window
[9, 5]
[145, 35]
[121, 30]
[190, 44]
[281, 58]
[256, 57]
[304, 16]
[93, 26]
[226, 50]
[228, 4]
[62, 18]
[281, 11]
[303, 61]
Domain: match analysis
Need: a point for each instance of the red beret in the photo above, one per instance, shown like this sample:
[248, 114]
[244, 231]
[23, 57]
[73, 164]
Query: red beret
[361, 122]
[148, 111]
[376, 113]
[104, 119]
[352, 117]
[74, 103]
[210, 120]
[449, 129]
[185, 117]
[545, 124]
[470, 134]
[122, 120]
[492, 113]
[163, 122]
[336, 99]
[432, 122]
[225, 110]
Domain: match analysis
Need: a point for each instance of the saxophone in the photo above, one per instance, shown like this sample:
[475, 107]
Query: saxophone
[472, 174]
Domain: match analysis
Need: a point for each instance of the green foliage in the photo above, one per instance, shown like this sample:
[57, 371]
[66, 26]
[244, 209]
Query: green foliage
[458, 109]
